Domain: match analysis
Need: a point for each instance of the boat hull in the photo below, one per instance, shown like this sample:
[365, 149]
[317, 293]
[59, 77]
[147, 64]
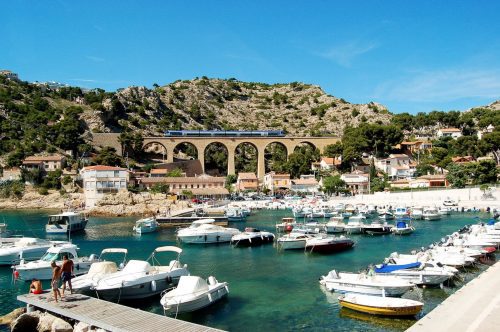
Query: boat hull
[253, 241]
[382, 311]
[64, 229]
[45, 272]
[348, 287]
[337, 246]
[292, 245]
[206, 239]
[378, 230]
[27, 254]
[137, 291]
[172, 307]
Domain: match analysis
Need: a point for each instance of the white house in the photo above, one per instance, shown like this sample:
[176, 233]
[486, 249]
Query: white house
[357, 182]
[397, 166]
[306, 184]
[99, 181]
[449, 132]
[487, 130]
[326, 164]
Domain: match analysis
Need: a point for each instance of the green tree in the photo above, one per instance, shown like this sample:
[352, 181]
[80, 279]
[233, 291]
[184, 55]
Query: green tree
[486, 171]
[107, 156]
[457, 175]
[333, 185]
[333, 150]
[175, 173]
[160, 188]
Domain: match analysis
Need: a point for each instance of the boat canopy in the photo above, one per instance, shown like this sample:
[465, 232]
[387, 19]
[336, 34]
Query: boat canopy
[191, 285]
[114, 250]
[168, 248]
[387, 268]
[401, 224]
[137, 266]
[204, 221]
[100, 268]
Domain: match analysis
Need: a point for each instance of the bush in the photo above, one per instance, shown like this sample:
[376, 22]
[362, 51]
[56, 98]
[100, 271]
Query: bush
[11, 189]
[43, 191]
[66, 179]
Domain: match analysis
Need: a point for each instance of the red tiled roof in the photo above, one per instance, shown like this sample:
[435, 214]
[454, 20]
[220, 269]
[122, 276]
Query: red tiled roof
[247, 176]
[45, 158]
[185, 179]
[103, 168]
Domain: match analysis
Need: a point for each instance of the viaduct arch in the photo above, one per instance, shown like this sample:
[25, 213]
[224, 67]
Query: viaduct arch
[169, 143]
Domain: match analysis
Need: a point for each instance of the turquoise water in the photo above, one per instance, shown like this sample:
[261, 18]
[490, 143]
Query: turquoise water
[269, 289]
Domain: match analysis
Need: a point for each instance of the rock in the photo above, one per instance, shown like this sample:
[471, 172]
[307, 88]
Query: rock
[81, 327]
[10, 317]
[45, 322]
[25, 323]
[60, 325]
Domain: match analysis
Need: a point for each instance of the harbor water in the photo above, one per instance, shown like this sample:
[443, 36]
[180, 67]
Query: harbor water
[269, 289]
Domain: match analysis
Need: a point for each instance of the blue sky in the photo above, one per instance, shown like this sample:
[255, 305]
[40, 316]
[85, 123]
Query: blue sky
[408, 55]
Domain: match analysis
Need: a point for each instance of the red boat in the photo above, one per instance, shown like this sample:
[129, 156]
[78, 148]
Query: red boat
[329, 244]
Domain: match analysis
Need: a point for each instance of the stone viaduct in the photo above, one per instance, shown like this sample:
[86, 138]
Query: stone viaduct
[200, 143]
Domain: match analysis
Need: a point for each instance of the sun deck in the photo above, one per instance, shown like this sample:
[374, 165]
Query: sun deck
[109, 316]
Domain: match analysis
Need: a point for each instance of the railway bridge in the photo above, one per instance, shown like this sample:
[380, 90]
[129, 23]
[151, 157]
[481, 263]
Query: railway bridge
[167, 145]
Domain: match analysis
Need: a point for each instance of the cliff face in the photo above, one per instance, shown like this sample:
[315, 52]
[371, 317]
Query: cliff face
[299, 109]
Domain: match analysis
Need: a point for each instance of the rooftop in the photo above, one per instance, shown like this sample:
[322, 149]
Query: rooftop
[45, 158]
[247, 176]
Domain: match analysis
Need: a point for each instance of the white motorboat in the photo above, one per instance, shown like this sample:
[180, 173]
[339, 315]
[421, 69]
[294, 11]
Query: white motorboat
[66, 222]
[328, 244]
[252, 237]
[25, 248]
[416, 273]
[193, 293]
[416, 213]
[383, 306]
[286, 225]
[401, 212]
[204, 231]
[450, 202]
[335, 225]
[293, 241]
[234, 214]
[402, 228]
[145, 225]
[431, 213]
[381, 285]
[422, 257]
[41, 269]
[142, 279]
[444, 211]
[83, 283]
[355, 225]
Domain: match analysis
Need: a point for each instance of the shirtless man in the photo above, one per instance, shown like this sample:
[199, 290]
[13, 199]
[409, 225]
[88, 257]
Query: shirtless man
[67, 272]
[36, 286]
[56, 275]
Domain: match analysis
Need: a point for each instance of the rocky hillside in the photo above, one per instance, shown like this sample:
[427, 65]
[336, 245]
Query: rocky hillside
[299, 109]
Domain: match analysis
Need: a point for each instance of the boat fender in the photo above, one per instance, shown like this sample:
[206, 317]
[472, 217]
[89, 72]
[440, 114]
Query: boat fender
[212, 281]
[92, 257]
[77, 267]
[205, 238]
[168, 279]
[153, 285]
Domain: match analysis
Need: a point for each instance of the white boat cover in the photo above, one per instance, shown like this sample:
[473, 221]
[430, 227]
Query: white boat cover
[101, 268]
[204, 221]
[189, 285]
[134, 266]
[114, 250]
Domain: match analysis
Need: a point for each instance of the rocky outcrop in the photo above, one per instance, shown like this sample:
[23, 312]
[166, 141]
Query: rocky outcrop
[12, 316]
[26, 322]
[33, 200]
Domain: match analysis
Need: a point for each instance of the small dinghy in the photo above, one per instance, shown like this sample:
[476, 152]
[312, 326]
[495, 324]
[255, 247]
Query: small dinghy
[193, 293]
[384, 306]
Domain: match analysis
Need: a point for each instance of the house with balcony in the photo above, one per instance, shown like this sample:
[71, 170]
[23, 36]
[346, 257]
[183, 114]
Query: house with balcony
[449, 132]
[44, 163]
[247, 181]
[396, 166]
[99, 181]
[357, 182]
[276, 181]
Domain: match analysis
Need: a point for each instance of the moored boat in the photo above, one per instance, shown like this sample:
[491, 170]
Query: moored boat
[204, 231]
[193, 293]
[328, 244]
[66, 222]
[402, 228]
[384, 306]
[146, 225]
[431, 213]
[293, 241]
[286, 225]
[252, 237]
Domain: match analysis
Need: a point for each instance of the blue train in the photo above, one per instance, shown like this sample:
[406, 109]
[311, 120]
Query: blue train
[219, 133]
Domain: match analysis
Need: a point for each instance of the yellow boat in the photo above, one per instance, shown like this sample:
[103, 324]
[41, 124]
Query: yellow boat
[384, 306]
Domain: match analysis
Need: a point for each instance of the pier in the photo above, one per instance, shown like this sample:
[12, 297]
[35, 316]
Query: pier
[109, 316]
[474, 307]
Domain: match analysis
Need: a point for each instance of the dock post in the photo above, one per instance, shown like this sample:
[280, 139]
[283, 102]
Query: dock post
[29, 308]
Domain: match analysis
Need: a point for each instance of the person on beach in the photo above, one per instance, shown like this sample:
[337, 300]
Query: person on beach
[56, 275]
[36, 286]
[67, 272]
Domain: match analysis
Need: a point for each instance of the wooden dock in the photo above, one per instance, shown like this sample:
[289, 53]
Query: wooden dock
[109, 316]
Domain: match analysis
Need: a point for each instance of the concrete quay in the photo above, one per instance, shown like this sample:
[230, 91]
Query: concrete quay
[474, 307]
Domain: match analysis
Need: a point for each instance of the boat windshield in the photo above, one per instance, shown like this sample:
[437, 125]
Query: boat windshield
[51, 256]
[58, 220]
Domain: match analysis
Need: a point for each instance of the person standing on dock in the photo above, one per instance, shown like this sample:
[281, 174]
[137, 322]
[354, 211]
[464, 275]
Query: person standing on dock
[67, 273]
[56, 275]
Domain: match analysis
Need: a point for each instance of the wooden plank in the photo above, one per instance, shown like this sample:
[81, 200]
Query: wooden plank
[108, 315]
